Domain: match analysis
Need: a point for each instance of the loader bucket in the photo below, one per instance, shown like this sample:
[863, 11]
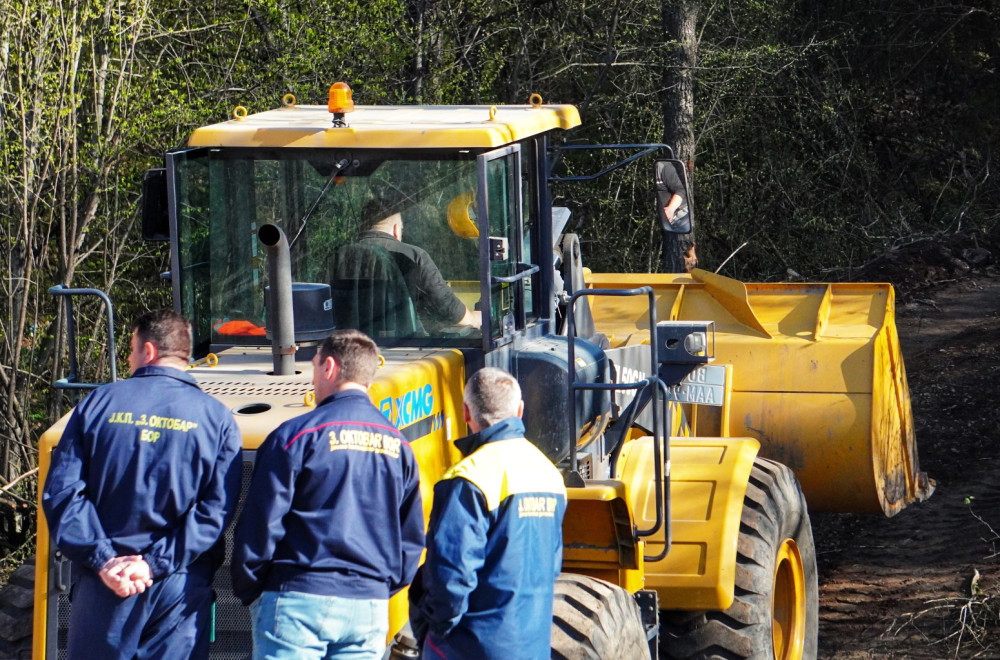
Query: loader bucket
[818, 377]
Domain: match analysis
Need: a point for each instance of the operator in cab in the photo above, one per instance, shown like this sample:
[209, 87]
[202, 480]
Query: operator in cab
[435, 303]
[494, 540]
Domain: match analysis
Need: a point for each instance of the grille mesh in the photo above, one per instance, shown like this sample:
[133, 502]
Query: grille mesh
[233, 639]
[229, 388]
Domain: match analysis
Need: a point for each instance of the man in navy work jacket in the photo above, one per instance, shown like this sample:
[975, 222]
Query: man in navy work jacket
[333, 523]
[494, 543]
[141, 488]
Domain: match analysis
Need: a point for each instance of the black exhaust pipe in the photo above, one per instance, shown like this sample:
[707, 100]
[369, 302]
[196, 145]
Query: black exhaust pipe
[279, 299]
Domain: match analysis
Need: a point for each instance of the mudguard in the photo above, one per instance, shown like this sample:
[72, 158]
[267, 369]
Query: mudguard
[708, 480]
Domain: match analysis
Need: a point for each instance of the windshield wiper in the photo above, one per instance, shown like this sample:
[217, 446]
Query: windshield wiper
[338, 167]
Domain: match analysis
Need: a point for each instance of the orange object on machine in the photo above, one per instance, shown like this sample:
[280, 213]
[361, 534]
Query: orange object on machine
[241, 328]
[341, 99]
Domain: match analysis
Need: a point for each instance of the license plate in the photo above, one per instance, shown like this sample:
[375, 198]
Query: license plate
[705, 386]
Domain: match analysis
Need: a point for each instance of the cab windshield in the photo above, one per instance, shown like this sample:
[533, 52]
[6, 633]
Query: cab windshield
[394, 239]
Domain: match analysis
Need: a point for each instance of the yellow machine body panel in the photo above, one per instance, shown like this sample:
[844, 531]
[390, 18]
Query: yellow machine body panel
[418, 390]
[597, 535]
[818, 377]
[422, 396]
[388, 127]
[43, 581]
[814, 376]
[467, 291]
[708, 480]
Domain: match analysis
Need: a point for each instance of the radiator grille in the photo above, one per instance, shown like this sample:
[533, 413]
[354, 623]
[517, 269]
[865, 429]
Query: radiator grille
[233, 639]
[229, 388]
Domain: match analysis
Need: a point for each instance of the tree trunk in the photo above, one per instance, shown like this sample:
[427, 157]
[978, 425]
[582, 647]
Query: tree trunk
[679, 20]
[416, 11]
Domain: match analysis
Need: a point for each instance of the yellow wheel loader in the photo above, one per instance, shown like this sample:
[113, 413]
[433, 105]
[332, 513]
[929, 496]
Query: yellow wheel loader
[684, 410]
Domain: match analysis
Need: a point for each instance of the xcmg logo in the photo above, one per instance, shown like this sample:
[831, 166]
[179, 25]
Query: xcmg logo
[408, 408]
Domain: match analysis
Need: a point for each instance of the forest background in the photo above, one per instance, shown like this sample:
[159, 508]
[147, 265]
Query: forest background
[822, 136]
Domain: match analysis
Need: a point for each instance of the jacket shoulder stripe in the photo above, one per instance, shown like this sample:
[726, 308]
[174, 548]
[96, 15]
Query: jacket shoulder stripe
[507, 468]
[303, 432]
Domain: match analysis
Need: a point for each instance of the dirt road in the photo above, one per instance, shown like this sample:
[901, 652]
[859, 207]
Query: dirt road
[926, 584]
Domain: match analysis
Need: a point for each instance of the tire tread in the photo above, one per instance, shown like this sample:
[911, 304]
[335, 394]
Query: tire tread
[773, 509]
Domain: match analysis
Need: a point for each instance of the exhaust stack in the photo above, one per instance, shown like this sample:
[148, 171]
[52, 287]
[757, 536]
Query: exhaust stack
[279, 298]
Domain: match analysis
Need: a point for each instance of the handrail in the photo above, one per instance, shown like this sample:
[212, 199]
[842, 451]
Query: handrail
[661, 415]
[524, 274]
[70, 382]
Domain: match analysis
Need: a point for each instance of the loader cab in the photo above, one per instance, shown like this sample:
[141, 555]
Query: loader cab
[470, 214]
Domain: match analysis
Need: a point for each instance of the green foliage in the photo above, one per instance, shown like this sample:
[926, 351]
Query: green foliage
[826, 133]
[858, 128]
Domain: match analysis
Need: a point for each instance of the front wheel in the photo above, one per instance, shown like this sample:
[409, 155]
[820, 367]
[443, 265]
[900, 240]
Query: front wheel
[775, 615]
[595, 620]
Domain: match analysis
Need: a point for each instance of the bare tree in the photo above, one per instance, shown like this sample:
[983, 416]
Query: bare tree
[67, 88]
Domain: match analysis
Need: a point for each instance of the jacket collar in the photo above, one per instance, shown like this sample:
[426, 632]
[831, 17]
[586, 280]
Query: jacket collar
[343, 394]
[512, 427]
[374, 233]
[169, 372]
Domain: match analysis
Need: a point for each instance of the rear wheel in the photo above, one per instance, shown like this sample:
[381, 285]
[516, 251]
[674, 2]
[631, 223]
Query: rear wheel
[595, 620]
[776, 611]
[16, 609]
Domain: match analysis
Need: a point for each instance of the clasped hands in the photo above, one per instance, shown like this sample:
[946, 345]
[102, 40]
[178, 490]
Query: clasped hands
[126, 575]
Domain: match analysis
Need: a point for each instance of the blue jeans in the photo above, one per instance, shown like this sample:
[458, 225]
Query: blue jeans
[291, 625]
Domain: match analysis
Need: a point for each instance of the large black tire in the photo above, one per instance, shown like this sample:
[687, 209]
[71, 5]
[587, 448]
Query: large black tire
[595, 620]
[16, 611]
[775, 615]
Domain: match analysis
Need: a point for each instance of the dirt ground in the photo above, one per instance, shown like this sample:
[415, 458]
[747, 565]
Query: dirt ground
[926, 583]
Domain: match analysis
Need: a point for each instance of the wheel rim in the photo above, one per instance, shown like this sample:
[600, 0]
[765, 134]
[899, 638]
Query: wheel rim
[788, 606]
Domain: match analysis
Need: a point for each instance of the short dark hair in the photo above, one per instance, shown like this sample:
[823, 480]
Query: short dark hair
[355, 352]
[378, 208]
[167, 330]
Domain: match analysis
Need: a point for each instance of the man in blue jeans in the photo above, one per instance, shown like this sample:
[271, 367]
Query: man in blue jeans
[142, 485]
[332, 524]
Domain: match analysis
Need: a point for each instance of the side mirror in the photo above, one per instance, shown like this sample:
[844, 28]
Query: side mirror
[155, 221]
[672, 195]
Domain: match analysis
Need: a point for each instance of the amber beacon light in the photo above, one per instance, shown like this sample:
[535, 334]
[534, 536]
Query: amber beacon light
[340, 102]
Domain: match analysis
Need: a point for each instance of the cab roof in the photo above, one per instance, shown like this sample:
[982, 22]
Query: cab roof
[374, 127]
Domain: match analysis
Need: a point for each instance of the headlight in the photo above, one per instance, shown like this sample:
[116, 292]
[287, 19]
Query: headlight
[695, 343]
